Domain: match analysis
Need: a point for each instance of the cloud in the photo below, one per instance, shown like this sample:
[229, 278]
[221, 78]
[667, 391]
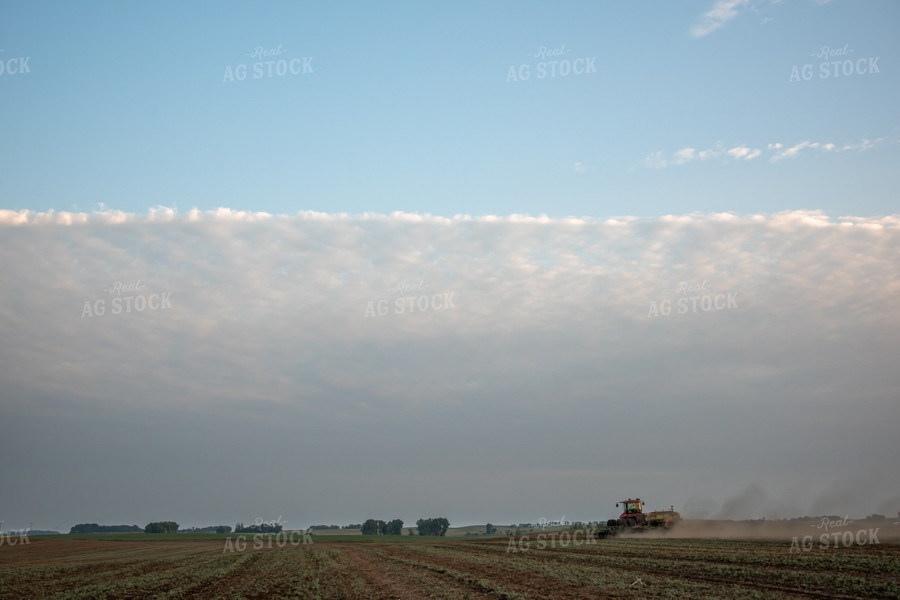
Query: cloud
[721, 12]
[659, 160]
[683, 156]
[742, 152]
[268, 358]
[780, 152]
[776, 150]
[256, 282]
[797, 148]
[656, 160]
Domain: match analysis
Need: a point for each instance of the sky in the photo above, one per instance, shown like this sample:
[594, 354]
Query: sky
[497, 262]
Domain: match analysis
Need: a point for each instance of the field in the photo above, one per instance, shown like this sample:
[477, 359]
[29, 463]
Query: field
[554, 566]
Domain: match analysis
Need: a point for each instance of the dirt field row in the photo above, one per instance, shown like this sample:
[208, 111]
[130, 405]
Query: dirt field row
[526, 568]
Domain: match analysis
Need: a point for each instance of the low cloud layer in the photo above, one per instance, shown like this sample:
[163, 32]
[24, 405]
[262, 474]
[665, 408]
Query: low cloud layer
[485, 368]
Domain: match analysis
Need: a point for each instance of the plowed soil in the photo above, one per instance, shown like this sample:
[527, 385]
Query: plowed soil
[484, 569]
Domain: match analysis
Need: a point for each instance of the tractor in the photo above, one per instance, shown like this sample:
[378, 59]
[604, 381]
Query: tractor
[633, 518]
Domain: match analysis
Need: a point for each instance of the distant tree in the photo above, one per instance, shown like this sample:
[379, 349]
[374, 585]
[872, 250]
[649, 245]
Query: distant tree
[210, 529]
[490, 529]
[394, 527]
[273, 527]
[437, 527]
[372, 527]
[95, 528]
[443, 525]
[379, 527]
[161, 527]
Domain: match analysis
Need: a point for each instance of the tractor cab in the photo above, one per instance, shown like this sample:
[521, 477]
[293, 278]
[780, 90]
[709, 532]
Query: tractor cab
[632, 506]
[633, 515]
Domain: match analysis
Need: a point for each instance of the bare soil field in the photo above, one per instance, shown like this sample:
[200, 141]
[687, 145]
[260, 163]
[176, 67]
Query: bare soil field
[556, 566]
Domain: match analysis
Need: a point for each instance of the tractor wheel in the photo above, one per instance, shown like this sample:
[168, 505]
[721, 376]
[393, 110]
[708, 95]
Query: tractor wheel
[612, 523]
[630, 522]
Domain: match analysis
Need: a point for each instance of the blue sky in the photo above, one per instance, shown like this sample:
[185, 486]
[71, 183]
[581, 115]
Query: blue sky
[402, 284]
[408, 107]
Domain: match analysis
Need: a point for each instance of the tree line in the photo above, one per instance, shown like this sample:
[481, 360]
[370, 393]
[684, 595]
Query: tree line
[273, 527]
[436, 526]
[210, 529]
[379, 527]
[95, 528]
[161, 527]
